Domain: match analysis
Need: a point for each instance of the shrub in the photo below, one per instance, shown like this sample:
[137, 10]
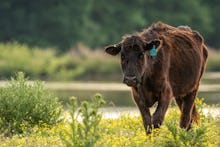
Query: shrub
[79, 63]
[23, 105]
[16, 57]
[85, 132]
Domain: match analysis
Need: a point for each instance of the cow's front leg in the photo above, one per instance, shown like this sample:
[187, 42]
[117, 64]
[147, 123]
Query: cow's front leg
[163, 103]
[145, 114]
[145, 111]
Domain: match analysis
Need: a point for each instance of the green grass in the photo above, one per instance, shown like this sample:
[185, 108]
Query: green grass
[128, 131]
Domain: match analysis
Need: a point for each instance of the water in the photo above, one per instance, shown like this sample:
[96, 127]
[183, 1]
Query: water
[122, 98]
[117, 112]
[118, 94]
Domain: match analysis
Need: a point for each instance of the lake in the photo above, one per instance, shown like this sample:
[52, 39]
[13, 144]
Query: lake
[117, 94]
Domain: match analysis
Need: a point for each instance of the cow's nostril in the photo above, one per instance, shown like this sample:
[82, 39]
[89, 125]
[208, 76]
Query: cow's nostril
[130, 80]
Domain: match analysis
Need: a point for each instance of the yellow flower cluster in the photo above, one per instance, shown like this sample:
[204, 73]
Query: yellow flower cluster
[127, 131]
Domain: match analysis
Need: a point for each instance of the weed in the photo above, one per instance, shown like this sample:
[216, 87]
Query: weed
[84, 123]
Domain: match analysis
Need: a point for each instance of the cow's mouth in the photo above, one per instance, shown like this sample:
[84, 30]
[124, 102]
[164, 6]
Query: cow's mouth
[131, 81]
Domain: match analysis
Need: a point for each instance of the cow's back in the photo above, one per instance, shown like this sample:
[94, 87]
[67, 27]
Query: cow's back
[187, 55]
[187, 60]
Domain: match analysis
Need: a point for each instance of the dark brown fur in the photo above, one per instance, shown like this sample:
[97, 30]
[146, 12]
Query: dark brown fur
[175, 71]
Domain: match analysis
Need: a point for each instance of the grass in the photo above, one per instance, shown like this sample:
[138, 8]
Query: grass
[128, 131]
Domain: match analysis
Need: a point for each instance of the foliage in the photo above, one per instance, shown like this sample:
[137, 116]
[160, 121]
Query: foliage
[16, 57]
[84, 132]
[97, 23]
[213, 8]
[128, 131]
[47, 64]
[80, 63]
[203, 135]
[213, 60]
[24, 105]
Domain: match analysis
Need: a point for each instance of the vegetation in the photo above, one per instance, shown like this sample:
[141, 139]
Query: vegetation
[80, 63]
[213, 61]
[123, 131]
[37, 63]
[24, 105]
[96, 23]
[84, 123]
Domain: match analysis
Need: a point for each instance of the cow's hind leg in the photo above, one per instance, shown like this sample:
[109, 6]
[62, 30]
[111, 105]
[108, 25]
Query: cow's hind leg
[179, 102]
[188, 113]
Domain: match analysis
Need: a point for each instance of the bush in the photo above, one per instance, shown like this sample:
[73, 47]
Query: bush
[80, 63]
[16, 57]
[24, 105]
[213, 62]
[84, 133]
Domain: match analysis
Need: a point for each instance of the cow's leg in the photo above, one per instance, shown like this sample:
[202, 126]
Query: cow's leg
[145, 114]
[179, 102]
[163, 103]
[188, 110]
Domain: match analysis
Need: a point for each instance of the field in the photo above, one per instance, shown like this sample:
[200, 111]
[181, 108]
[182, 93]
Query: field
[127, 130]
[76, 130]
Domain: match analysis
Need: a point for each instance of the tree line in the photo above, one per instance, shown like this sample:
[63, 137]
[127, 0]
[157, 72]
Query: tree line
[96, 23]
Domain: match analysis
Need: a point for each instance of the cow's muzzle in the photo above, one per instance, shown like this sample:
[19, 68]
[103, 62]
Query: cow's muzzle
[131, 81]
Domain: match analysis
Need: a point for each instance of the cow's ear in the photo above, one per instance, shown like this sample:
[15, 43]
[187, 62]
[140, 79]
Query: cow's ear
[113, 49]
[154, 43]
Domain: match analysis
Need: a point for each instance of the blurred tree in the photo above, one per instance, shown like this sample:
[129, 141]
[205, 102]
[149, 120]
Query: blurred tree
[214, 9]
[39, 22]
[97, 23]
[176, 13]
[113, 19]
[116, 18]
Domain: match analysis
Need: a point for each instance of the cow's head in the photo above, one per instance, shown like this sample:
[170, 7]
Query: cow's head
[135, 54]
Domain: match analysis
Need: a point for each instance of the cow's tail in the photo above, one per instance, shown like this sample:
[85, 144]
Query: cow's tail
[195, 114]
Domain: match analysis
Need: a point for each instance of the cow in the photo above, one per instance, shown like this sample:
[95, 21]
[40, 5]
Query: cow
[160, 63]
